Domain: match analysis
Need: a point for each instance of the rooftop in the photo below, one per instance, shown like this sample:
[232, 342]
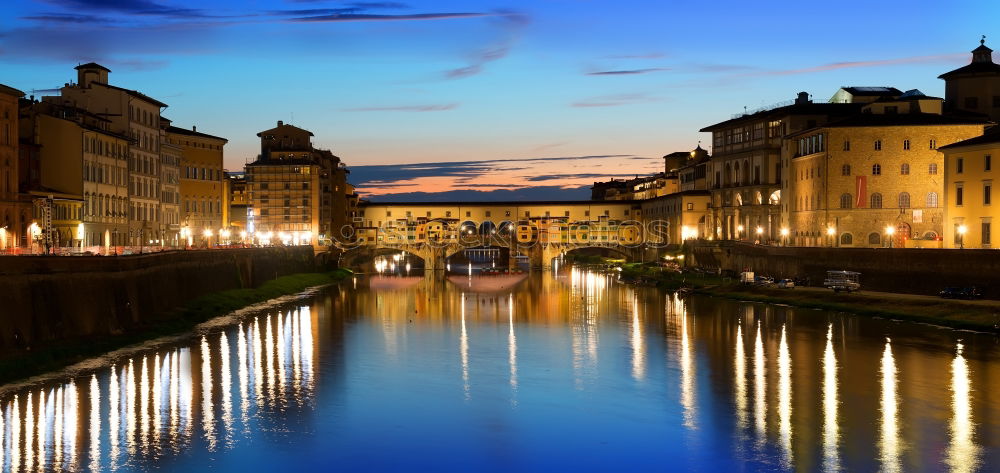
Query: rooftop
[186, 132]
[992, 136]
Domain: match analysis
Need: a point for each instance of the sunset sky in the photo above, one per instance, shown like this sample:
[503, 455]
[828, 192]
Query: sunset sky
[495, 96]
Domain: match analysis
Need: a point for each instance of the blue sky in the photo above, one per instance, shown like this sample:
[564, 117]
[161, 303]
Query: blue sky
[384, 83]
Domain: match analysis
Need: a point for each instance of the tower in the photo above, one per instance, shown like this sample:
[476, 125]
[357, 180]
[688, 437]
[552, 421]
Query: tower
[974, 88]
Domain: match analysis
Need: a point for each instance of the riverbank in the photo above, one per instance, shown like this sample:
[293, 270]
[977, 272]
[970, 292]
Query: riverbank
[980, 315]
[179, 320]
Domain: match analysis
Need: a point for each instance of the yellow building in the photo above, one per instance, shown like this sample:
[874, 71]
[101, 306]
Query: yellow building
[874, 179]
[677, 217]
[14, 212]
[969, 171]
[974, 88]
[236, 208]
[202, 188]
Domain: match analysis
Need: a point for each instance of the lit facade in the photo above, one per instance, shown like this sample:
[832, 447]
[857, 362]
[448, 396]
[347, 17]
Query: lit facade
[969, 200]
[14, 212]
[202, 187]
[677, 217]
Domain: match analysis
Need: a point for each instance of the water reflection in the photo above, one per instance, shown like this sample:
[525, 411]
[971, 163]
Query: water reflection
[962, 455]
[369, 379]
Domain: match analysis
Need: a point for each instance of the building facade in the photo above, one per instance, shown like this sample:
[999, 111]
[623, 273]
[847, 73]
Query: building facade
[969, 172]
[236, 207]
[137, 116]
[13, 210]
[974, 88]
[872, 180]
[202, 176]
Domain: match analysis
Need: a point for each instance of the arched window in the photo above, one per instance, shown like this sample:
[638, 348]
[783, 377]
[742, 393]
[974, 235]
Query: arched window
[846, 239]
[932, 199]
[845, 201]
[876, 169]
[876, 201]
[845, 170]
[904, 169]
[904, 200]
[932, 168]
[874, 239]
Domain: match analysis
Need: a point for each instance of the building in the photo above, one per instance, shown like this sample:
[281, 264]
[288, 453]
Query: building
[974, 88]
[170, 187]
[744, 173]
[674, 218]
[14, 213]
[692, 175]
[137, 116]
[80, 162]
[873, 179]
[968, 191]
[298, 193]
[202, 183]
[236, 208]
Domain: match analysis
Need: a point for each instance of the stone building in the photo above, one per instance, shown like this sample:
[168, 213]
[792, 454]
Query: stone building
[676, 217]
[873, 179]
[236, 207]
[744, 173]
[969, 170]
[137, 116]
[202, 176]
[14, 212]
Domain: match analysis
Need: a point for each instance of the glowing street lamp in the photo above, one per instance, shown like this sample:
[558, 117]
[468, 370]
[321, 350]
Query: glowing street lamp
[831, 232]
[889, 232]
[961, 236]
[784, 235]
[739, 231]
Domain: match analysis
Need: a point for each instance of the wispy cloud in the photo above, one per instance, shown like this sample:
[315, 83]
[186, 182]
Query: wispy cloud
[510, 24]
[339, 17]
[129, 7]
[939, 58]
[405, 108]
[616, 100]
[627, 72]
[653, 55]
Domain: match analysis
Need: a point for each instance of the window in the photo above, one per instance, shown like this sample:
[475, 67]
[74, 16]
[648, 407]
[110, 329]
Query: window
[986, 233]
[959, 165]
[845, 170]
[847, 145]
[690, 206]
[987, 163]
[876, 169]
[846, 239]
[904, 200]
[987, 190]
[959, 193]
[932, 200]
[468, 214]
[876, 201]
[933, 144]
[878, 145]
[874, 239]
[845, 201]
[972, 103]
[904, 169]
[932, 168]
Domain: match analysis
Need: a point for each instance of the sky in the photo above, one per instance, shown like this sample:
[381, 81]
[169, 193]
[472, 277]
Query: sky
[482, 99]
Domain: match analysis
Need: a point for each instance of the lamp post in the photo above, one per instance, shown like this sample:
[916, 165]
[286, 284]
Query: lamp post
[784, 236]
[961, 236]
[832, 233]
[889, 232]
[208, 237]
[739, 232]
[760, 232]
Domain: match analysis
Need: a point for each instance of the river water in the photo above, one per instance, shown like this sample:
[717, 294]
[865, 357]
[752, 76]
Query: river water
[567, 371]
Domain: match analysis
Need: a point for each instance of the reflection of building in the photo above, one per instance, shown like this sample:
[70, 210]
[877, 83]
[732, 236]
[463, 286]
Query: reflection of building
[78, 159]
[201, 177]
[745, 171]
[851, 179]
[297, 193]
[968, 191]
[14, 212]
[136, 115]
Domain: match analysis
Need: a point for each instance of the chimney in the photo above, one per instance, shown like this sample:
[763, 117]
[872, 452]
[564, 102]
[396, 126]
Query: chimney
[194, 128]
[280, 123]
[802, 98]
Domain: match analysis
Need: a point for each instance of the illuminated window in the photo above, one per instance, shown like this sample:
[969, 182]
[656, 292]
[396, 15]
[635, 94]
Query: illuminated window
[932, 168]
[904, 169]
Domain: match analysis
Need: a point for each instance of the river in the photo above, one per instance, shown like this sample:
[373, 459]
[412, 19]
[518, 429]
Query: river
[567, 371]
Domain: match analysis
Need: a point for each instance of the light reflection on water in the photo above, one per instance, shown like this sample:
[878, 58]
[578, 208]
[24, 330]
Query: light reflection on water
[490, 376]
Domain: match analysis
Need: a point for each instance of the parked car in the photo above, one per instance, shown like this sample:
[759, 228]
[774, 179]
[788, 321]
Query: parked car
[971, 292]
[843, 281]
[786, 284]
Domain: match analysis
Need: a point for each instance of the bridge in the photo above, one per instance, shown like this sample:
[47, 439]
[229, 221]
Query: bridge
[538, 231]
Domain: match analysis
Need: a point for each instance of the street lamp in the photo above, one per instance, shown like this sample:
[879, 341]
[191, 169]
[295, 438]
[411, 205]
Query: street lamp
[961, 236]
[784, 236]
[831, 232]
[208, 237]
[889, 232]
[739, 232]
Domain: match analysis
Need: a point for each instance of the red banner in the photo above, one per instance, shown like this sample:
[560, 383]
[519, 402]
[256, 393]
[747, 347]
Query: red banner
[861, 190]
